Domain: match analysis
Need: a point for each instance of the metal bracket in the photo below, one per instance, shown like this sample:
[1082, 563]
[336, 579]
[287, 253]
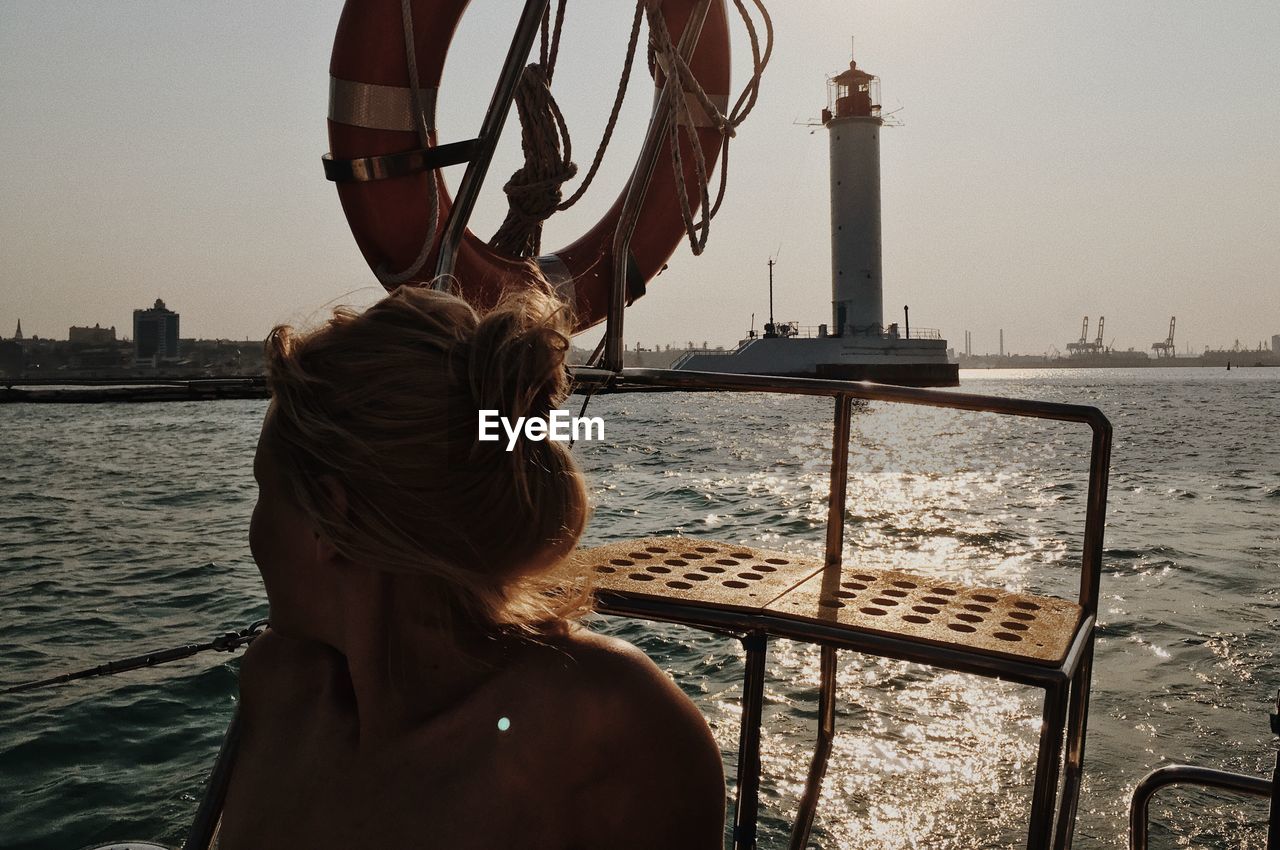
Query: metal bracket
[367, 168]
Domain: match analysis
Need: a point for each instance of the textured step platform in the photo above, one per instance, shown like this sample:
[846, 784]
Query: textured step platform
[729, 576]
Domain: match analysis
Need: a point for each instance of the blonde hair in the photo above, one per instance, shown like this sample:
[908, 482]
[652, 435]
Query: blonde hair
[385, 402]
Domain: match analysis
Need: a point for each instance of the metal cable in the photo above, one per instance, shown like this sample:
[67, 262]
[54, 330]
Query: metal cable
[222, 643]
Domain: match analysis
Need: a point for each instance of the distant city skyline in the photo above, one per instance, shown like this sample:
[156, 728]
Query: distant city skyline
[1182, 347]
[1056, 161]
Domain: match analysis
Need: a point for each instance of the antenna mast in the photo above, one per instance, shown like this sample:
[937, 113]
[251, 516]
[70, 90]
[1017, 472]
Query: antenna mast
[771, 262]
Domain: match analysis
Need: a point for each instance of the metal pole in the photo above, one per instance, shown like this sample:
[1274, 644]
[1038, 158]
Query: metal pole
[838, 487]
[490, 131]
[1045, 790]
[209, 813]
[637, 188]
[1077, 725]
[1273, 819]
[822, 752]
[1095, 515]
[772, 327]
[906, 318]
[748, 808]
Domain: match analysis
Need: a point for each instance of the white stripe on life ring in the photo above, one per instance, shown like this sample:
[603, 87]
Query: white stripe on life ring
[377, 107]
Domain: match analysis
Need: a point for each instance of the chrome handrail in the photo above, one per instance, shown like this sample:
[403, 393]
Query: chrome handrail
[1186, 774]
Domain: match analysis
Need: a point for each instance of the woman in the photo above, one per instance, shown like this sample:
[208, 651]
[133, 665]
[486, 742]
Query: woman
[422, 685]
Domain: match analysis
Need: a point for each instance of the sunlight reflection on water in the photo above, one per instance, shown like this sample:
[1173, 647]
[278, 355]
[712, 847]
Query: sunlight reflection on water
[124, 524]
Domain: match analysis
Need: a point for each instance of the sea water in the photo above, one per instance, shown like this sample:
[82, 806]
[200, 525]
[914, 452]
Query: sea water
[124, 528]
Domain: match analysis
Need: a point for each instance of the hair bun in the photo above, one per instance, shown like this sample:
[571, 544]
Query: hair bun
[518, 352]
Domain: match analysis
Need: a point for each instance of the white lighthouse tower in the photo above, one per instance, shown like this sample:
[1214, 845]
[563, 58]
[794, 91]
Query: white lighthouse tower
[857, 345]
[853, 122]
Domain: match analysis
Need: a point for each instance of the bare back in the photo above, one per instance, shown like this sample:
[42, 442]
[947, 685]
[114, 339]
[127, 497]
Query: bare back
[571, 742]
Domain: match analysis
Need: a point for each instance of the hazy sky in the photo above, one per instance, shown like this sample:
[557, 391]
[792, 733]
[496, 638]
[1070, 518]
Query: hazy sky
[1057, 160]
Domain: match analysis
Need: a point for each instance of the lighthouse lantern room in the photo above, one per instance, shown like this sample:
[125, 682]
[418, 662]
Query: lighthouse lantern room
[852, 93]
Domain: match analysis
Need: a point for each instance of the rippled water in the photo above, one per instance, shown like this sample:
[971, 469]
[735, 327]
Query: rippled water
[124, 528]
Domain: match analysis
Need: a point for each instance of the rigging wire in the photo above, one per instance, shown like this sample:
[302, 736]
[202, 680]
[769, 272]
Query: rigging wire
[222, 643]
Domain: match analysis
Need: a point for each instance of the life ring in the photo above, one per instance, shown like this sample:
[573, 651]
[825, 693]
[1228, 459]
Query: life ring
[370, 115]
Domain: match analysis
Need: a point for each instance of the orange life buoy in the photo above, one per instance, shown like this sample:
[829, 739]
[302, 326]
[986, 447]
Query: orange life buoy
[371, 115]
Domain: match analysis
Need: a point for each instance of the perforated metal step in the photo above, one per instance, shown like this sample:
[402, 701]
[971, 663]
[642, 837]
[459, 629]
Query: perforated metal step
[1026, 627]
[704, 572]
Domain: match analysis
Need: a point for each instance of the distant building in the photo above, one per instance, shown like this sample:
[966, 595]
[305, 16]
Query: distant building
[1275, 344]
[92, 336]
[11, 358]
[155, 333]
[17, 335]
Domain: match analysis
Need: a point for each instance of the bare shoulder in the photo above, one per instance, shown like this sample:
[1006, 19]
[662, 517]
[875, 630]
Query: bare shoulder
[649, 743]
[612, 674]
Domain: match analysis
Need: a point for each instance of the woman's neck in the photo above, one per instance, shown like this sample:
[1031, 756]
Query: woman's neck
[403, 669]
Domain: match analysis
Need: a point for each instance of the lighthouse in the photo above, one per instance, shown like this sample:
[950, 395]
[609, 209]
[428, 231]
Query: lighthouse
[857, 344]
[852, 118]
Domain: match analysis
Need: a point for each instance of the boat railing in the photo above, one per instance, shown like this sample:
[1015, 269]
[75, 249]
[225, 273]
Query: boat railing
[1206, 777]
[1203, 777]
[795, 330]
[780, 595]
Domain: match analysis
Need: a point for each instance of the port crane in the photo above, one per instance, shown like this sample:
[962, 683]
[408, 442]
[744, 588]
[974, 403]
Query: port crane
[1084, 345]
[1165, 348]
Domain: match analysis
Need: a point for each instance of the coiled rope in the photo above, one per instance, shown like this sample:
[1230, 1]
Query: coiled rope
[535, 191]
[668, 57]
